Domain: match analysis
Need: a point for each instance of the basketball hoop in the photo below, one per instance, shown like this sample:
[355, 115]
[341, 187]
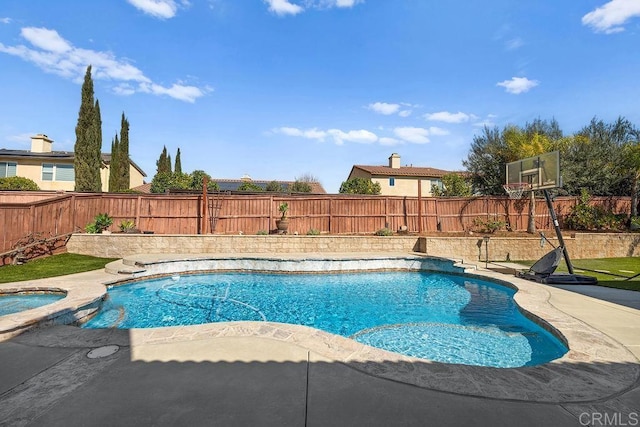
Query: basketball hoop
[516, 190]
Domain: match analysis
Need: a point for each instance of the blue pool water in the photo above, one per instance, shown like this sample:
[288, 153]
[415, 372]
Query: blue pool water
[435, 316]
[15, 303]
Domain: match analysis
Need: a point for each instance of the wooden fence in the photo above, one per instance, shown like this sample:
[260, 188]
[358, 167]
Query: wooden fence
[333, 214]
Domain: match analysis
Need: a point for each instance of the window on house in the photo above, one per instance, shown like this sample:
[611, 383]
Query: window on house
[58, 172]
[8, 169]
[392, 181]
[65, 173]
[47, 172]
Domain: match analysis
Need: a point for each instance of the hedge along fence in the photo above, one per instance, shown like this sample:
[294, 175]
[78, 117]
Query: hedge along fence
[250, 213]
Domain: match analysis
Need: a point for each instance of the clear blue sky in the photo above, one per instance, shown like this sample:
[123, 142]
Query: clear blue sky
[280, 88]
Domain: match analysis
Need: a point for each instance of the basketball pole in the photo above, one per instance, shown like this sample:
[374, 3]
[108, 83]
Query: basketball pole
[556, 225]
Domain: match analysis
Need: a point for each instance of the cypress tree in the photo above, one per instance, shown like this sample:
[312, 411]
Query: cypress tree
[114, 172]
[123, 155]
[162, 166]
[168, 164]
[178, 168]
[83, 160]
[95, 141]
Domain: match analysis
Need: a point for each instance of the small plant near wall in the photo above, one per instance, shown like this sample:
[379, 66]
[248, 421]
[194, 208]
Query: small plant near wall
[262, 232]
[313, 232]
[488, 225]
[283, 223]
[101, 222]
[384, 232]
[127, 226]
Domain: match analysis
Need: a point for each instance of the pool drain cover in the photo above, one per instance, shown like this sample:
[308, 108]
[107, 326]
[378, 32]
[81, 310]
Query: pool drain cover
[103, 351]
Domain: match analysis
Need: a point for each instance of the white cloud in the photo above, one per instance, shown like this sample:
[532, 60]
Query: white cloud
[436, 131]
[45, 39]
[389, 141]
[163, 9]
[609, 18]
[338, 136]
[384, 108]
[405, 113]
[361, 136]
[5, 20]
[54, 54]
[309, 134]
[447, 117]
[518, 85]
[289, 7]
[514, 44]
[346, 3]
[412, 134]
[283, 7]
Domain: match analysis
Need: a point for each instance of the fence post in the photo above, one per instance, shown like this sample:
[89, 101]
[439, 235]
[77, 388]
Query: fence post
[419, 206]
[330, 213]
[138, 203]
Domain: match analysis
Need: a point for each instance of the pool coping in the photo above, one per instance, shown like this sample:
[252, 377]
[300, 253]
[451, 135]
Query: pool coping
[595, 367]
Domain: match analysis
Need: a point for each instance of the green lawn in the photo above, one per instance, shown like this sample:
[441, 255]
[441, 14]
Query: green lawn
[626, 267]
[56, 265]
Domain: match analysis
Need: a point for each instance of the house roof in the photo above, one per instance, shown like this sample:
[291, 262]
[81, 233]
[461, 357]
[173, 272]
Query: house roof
[55, 155]
[233, 184]
[402, 171]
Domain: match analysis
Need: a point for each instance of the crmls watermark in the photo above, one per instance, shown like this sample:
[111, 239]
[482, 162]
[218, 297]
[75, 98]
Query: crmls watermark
[596, 419]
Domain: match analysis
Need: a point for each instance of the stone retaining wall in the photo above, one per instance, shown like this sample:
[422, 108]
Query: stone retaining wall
[468, 248]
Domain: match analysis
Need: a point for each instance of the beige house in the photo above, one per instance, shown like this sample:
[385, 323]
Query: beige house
[53, 170]
[397, 180]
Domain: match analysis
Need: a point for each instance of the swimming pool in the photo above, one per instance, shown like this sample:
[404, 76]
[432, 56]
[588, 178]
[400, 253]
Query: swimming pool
[11, 303]
[448, 318]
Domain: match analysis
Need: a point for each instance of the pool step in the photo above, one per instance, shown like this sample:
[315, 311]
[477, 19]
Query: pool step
[120, 268]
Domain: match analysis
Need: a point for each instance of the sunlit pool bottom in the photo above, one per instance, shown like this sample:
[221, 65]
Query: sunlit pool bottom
[447, 318]
[11, 303]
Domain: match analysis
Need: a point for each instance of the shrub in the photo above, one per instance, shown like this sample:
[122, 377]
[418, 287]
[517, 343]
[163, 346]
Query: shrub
[634, 223]
[584, 216]
[384, 232]
[250, 187]
[300, 187]
[127, 225]
[313, 232]
[488, 225]
[262, 232]
[274, 186]
[360, 185]
[18, 183]
[100, 223]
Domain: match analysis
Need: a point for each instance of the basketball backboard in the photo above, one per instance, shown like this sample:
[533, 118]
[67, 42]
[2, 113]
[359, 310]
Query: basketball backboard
[540, 172]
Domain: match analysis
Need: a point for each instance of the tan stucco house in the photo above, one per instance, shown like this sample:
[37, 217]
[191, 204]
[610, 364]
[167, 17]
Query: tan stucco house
[53, 170]
[397, 180]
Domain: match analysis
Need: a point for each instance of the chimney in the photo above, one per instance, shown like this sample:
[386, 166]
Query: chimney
[394, 161]
[41, 143]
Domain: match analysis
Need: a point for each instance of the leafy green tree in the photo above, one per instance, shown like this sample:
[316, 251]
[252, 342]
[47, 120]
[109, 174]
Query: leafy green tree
[114, 166]
[250, 187]
[300, 187]
[197, 177]
[591, 158]
[360, 186]
[18, 183]
[88, 145]
[453, 185]
[486, 161]
[631, 165]
[178, 166]
[274, 186]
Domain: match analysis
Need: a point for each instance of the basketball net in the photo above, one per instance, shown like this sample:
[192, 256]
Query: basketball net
[516, 190]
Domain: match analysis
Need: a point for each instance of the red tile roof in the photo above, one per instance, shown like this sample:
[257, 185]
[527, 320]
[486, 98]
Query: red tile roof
[403, 171]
